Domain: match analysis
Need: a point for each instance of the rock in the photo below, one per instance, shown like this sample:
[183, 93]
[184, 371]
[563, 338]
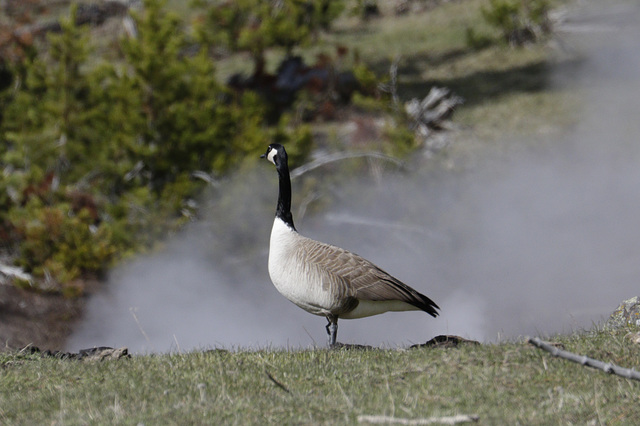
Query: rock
[627, 314]
[445, 341]
[103, 353]
[634, 337]
[99, 353]
[351, 346]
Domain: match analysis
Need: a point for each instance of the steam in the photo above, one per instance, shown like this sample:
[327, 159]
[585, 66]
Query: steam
[545, 241]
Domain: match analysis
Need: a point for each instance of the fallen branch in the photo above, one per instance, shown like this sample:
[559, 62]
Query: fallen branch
[14, 272]
[585, 360]
[447, 420]
[432, 112]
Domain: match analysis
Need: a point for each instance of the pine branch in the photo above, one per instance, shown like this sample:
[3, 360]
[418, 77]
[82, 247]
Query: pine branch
[585, 360]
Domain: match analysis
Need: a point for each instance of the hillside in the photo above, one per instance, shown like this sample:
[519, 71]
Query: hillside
[534, 220]
[504, 91]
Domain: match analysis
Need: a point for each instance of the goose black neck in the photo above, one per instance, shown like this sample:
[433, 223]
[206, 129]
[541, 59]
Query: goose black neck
[283, 209]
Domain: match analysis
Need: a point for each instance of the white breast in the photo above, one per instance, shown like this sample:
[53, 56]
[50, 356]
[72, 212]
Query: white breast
[294, 279]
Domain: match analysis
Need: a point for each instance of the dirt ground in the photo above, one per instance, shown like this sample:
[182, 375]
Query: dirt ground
[44, 320]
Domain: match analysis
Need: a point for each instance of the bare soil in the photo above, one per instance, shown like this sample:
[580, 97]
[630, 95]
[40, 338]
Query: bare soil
[34, 318]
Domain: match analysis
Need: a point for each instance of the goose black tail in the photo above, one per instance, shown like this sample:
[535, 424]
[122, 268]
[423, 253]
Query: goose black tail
[427, 305]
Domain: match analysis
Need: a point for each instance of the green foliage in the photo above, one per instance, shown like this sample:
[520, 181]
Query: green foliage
[364, 9]
[100, 156]
[477, 40]
[183, 125]
[519, 21]
[46, 120]
[366, 78]
[59, 244]
[256, 25]
[50, 149]
[400, 139]
[298, 139]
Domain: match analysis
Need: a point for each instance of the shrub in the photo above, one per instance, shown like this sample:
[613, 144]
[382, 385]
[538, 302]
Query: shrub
[519, 21]
[257, 25]
[59, 245]
[98, 157]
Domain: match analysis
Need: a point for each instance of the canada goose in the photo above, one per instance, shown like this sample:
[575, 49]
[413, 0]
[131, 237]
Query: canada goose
[326, 280]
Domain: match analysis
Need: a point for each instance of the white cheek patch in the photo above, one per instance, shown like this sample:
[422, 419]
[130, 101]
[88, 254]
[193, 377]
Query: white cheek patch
[272, 154]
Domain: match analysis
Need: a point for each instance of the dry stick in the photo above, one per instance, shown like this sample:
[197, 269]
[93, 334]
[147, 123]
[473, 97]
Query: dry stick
[585, 360]
[450, 420]
[277, 383]
[135, 317]
[393, 87]
[14, 272]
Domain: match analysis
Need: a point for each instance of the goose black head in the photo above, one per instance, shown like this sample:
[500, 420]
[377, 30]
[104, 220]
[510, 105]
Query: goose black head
[276, 154]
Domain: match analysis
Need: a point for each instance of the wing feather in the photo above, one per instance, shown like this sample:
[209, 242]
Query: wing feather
[352, 276]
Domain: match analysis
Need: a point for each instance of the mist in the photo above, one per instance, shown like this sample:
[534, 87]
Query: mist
[540, 241]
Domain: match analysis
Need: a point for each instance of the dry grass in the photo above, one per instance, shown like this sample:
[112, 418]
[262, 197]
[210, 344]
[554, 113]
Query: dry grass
[507, 383]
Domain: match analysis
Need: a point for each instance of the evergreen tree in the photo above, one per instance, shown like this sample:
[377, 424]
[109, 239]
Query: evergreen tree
[99, 157]
[50, 151]
[186, 119]
[255, 25]
[46, 124]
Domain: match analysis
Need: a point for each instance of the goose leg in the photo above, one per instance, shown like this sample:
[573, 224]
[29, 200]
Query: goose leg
[332, 329]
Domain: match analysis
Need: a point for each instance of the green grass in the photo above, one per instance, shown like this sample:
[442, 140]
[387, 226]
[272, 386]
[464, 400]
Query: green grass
[508, 92]
[506, 383]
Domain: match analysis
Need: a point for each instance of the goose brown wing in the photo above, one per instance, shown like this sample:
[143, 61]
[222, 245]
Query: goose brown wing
[357, 277]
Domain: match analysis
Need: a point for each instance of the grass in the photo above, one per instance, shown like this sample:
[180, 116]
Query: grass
[508, 92]
[506, 383]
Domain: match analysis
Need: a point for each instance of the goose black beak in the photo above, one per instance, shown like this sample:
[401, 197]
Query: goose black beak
[263, 156]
